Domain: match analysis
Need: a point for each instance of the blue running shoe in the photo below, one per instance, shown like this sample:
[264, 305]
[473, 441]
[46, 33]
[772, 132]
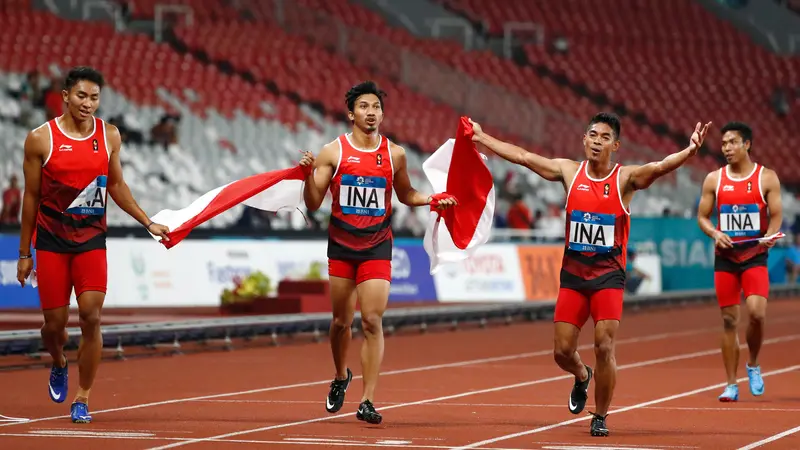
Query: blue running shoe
[58, 383]
[756, 382]
[731, 394]
[80, 413]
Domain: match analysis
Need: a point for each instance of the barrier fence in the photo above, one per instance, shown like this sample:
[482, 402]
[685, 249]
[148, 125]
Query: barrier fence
[673, 253]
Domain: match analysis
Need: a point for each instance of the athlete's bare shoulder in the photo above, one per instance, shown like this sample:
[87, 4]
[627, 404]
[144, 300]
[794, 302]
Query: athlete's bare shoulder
[113, 136]
[37, 143]
[770, 180]
[711, 179]
[329, 154]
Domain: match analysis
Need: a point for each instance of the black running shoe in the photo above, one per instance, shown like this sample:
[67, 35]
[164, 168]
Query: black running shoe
[335, 398]
[579, 394]
[598, 426]
[367, 413]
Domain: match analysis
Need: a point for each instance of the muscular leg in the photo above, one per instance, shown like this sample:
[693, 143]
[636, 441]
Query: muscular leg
[90, 304]
[730, 341]
[565, 350]
[343, 298]
[373, 296]
[757, 309]
[54, 333]
[605, 372]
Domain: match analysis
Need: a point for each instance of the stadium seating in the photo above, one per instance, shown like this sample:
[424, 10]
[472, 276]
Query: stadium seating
[674, 61]
[231, 127]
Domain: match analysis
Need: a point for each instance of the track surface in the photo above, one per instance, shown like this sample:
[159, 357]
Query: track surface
[484, 388]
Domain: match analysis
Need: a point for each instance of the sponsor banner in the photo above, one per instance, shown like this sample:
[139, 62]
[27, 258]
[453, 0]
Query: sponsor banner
[12, 295]
[411, 278]
[492, 274]
[143, 273]
[540, 267]
[649, 265]
[686, 253]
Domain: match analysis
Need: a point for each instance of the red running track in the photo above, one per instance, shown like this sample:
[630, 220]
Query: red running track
[484, 388]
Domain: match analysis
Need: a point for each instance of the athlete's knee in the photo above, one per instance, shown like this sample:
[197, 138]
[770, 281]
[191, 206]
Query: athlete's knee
[604, 347]
[341, 322]
[730, 322]
[564, 348]
[371, 322]
[89, 318]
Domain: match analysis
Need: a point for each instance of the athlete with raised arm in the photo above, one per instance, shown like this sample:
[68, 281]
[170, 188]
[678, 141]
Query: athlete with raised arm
[599, 192]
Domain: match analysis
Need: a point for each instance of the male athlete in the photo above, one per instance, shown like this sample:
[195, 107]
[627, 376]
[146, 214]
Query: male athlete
[361, 168]
[70, 163]
[748, 201]
[599, 193]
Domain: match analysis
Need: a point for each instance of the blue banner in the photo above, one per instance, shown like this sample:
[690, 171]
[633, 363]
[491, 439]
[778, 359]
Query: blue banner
[411, 278]
[687, 254]
[12, 295]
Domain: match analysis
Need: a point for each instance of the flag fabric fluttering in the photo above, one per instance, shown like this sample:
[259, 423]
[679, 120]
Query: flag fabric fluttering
[268, 191]
[459, 169]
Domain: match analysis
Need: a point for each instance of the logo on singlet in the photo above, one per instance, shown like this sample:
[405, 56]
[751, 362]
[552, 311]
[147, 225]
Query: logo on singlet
[92, 200]
[591, 232]
[740, 220]
[363, 196]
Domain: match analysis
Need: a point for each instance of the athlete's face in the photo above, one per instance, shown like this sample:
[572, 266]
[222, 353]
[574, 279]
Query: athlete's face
[367, 113]
[82, 100]
[599, 142]
[734, 147]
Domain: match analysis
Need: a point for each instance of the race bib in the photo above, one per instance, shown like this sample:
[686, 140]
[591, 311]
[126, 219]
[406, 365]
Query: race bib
[740, 220]
[363, 196]
[92, 200]
[591, 232]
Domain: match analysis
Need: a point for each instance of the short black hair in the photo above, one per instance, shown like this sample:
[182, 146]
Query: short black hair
[83, 73]
[610, 119]
[742, 128]
[367, 87]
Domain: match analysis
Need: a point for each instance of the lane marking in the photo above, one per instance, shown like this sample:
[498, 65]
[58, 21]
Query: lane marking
[620, 410]
[481, 391]
[548, 352]
[771, 439]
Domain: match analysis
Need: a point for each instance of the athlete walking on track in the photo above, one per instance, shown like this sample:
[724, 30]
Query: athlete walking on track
[361, 168]
[748, 202]
[70, 163]
[599, 193]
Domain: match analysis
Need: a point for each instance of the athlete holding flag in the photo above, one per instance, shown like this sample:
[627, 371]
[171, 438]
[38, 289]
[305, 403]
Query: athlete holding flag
[361, 168]
[599, 193]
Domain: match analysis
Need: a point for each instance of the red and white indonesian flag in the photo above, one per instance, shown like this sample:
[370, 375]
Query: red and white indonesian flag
[268, 191]
[460, 170]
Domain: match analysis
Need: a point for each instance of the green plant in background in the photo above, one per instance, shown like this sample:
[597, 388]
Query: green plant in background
[257, 284]
[314, 271]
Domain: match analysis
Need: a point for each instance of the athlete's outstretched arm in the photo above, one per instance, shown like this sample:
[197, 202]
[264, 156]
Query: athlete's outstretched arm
[549, 169]
[772, 193]
[642, 177]
[118, 189]
[708, 197]
[319, 179]
[36, 148]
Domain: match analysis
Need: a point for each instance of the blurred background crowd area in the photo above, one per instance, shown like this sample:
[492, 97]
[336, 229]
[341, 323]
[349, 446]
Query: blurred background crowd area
[208, 91]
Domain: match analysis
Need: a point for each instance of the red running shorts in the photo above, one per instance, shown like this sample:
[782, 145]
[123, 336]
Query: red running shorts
[59, 273]
[729, 285]
[360, 271]
[575, 306]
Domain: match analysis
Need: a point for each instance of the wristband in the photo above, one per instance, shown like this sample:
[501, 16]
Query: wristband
[21, 256]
